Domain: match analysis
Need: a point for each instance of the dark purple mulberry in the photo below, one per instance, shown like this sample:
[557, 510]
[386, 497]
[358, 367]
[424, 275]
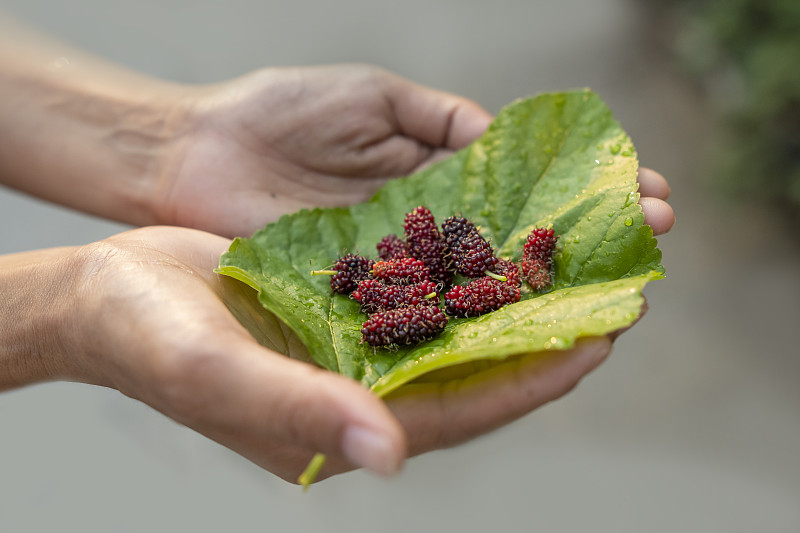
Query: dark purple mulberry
[481, 296]
[456, 228]
[392, 247]
[375, 296]
[347, 272]
[473, 256]
[406, 325]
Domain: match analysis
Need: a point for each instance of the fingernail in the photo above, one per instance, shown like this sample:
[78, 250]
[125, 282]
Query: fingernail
[367, 449]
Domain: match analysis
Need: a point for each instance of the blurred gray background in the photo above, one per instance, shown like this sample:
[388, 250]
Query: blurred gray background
[693, 424]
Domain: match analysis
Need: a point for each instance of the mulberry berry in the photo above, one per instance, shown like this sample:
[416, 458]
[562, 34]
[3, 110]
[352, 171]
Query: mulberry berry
[540, 244]
[433, 253]
[401, 271]
[420, 222]
[537, 258]
[347, 272]
[406, 325]
[537, 273]
[392, 247]
[426, 243]
[456, 228]
[481, 296]
[509, 270]
[375, 296]
[471, 254]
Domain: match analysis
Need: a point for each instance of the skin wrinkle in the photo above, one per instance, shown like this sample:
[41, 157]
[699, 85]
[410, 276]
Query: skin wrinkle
[448, 126]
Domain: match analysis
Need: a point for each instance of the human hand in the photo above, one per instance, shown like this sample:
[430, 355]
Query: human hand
[143, 312]
[225, 158]
[203, 369]
[279, 140]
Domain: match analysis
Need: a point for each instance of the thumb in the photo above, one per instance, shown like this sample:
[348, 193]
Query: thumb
[436, 118]
[260, 404]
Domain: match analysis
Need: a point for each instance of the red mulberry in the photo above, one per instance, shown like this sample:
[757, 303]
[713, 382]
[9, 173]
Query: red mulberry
[426, 243]
[392, 247]
[375, 296]
[509, 269]
[481, 296]
[540, 244]
[537, 273]
[401, 271]
[406, 325]
[537, 258]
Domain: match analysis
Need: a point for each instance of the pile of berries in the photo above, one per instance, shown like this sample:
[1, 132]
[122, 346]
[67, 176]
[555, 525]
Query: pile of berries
[401, 290]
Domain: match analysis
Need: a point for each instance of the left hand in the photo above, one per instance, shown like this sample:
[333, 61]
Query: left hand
[278, 140]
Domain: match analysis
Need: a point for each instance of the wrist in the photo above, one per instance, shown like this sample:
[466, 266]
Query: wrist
[87, 134]
[35, 313]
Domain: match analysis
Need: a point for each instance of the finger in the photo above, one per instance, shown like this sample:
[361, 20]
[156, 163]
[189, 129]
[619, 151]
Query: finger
[658, 214]
[443, 415]
[434, 117]
[651, 183]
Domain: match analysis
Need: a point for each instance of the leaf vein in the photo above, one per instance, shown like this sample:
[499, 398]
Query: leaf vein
[567, 131]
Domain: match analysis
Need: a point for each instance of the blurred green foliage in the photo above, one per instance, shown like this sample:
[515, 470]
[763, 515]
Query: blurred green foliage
[746, 53]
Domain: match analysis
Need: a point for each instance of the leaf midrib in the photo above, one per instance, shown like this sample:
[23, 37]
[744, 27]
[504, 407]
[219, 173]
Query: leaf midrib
[567, 132]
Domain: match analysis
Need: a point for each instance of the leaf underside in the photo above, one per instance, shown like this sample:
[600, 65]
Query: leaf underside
[556, 159]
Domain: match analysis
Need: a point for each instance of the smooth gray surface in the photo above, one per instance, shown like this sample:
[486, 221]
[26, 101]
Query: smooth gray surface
[693, 424]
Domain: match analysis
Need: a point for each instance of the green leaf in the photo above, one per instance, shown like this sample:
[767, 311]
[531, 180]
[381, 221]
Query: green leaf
[556, 159]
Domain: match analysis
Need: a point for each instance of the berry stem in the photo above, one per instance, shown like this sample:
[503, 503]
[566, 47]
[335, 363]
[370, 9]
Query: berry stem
[311, 471]
[429, 296]
[323, 272]
[498, 277]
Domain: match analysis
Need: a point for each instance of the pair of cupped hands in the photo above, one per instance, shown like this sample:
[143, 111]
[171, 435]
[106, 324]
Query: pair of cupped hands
[143, 312]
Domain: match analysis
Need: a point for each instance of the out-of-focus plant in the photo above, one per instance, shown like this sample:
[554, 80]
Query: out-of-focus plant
[746, 53]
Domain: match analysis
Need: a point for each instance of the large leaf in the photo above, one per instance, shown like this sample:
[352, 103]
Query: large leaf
[555, 159]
